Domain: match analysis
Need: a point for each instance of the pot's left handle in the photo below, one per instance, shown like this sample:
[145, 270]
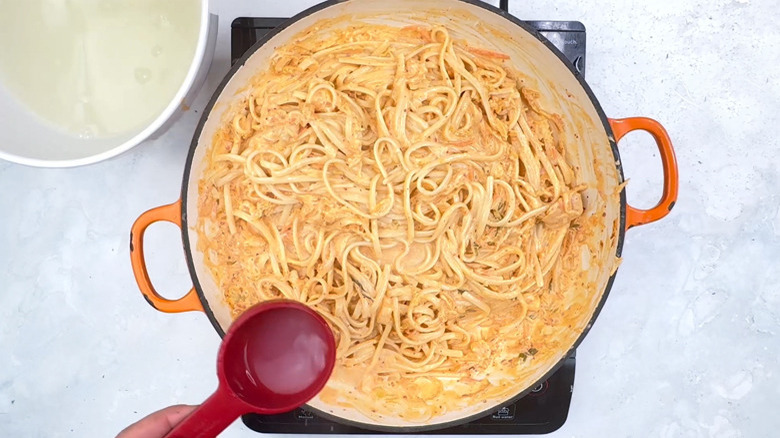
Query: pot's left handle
[169, 213]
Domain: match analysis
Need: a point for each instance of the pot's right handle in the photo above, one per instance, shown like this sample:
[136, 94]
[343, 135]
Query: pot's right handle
[635, 216]
[169, 213]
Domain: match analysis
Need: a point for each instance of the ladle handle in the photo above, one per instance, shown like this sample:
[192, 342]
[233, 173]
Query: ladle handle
[211, 417]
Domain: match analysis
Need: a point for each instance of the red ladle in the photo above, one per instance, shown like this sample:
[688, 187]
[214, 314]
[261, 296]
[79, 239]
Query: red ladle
[275, 357]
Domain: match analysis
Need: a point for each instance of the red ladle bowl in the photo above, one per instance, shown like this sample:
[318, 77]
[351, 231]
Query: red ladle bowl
[275, 357]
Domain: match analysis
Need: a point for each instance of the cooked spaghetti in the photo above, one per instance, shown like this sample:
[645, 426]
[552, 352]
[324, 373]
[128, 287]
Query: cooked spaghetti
[411, 189]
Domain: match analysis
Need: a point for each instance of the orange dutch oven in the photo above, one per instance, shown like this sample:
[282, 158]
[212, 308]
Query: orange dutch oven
[593, 139]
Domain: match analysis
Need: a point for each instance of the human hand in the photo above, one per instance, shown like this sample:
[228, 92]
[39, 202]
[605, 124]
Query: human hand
[158, 424]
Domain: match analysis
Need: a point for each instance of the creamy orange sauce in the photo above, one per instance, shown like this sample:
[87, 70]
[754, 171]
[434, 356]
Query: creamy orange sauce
[276, 221]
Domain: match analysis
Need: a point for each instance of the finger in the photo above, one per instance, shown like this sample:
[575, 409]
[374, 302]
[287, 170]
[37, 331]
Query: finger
[158, 424]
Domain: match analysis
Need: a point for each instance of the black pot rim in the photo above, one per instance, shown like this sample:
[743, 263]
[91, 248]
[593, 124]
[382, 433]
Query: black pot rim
[621, 231]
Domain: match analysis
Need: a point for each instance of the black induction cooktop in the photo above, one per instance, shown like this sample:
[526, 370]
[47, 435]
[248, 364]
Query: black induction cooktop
[546, 407]
[566, 36]
[543, 410]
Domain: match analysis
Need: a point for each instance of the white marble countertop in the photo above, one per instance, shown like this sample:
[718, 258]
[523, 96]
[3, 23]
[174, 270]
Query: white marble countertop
[687, 344]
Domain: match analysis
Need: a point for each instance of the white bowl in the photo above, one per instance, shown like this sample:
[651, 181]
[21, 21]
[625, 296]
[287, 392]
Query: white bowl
[26, 138]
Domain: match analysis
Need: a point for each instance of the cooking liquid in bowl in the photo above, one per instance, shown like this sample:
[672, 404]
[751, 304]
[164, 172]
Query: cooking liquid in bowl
[96, 68]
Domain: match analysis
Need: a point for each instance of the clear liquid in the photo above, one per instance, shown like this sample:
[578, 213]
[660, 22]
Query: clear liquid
[96, 68]
[287, 355]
